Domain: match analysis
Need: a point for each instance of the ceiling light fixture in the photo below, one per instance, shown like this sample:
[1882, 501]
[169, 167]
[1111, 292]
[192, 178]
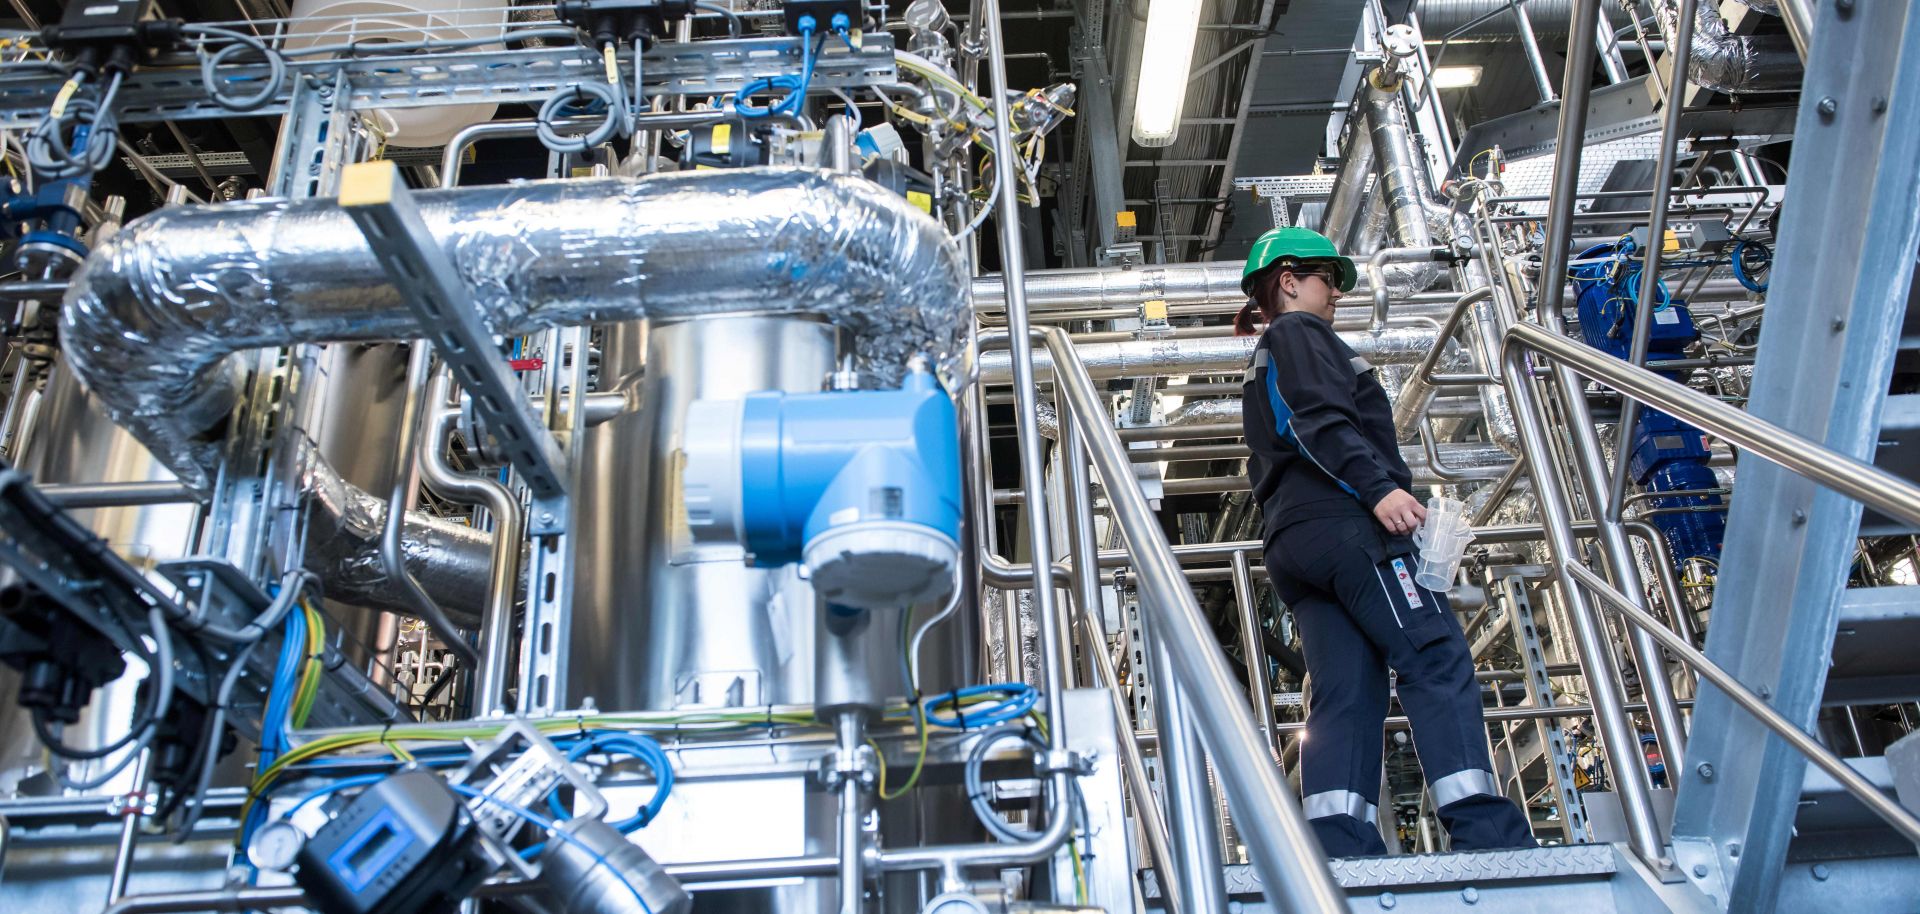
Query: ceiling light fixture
[1165, 63]
[1456, 77]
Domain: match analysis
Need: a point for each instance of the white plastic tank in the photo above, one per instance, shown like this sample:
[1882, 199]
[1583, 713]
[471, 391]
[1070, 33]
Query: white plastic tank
[337, 22]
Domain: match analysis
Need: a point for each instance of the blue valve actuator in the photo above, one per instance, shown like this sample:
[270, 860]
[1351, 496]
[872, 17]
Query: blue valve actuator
[860, 486]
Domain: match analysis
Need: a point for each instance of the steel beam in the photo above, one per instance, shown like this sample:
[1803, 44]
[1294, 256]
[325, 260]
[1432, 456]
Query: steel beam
[1822, 371]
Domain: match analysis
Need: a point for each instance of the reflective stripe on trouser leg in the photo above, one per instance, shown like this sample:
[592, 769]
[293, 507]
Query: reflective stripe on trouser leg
[1329, 803]
[1460, 785]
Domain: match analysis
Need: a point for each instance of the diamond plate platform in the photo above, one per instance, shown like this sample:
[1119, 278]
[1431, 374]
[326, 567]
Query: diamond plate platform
[1471, 867]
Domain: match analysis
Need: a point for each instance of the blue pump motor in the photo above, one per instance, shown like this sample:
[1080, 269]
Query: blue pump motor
[1667, 455]
[862, 487]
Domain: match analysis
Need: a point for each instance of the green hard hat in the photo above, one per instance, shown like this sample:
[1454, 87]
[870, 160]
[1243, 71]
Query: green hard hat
[1296, 244]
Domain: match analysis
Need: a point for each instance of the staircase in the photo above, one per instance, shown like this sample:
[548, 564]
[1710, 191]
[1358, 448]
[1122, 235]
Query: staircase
[1755, 827]
[1588, 878]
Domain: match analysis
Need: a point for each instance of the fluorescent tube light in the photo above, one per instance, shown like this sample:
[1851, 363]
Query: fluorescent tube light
[1165, 62]
[1456, 77]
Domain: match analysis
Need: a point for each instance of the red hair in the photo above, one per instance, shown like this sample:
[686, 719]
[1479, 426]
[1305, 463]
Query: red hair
[1265, 301]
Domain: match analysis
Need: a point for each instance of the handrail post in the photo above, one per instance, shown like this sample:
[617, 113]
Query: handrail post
[1026, 413]
[1253, 650]
[1588, 459]
[1656, 242]
[1292, 868]
[1596, 661]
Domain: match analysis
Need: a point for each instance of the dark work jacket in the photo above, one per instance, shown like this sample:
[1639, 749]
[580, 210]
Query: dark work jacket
[1320, 429]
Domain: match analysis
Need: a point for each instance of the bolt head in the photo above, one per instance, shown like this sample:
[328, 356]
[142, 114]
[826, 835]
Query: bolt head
[1700, 870]
[546, 517]
[1821, 872]
[1387, 900]
[1839, 324]
[1470, 895]
[1827, 107]
[1705, 770]
[1845, 7]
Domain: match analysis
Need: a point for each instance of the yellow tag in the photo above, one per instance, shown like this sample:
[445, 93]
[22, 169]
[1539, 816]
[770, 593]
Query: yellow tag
[368, 183]
[1155, 310]
[613, 65]
[722, 139]
[579, 172]
[1670, 244]
[1124, 219]
[60, 101]
[921, 200]
[698, 167]
[854, 39]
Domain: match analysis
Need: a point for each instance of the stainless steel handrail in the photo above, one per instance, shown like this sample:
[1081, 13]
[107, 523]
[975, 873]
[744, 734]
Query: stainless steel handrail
[1853, 478]
[1280, 845]
[1862, 789]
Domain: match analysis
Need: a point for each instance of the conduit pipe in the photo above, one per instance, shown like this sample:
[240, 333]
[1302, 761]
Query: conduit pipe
[154, 314]
[503, 580]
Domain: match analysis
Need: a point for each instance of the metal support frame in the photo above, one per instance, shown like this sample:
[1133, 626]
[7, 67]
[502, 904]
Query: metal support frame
[378, 201]
[1540, 694]
[1823, 372]
[521, 75]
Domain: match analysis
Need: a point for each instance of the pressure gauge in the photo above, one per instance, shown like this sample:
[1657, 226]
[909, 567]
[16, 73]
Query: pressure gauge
[276, 845]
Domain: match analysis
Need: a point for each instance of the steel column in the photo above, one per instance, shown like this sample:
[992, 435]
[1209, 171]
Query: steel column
[1823, 372]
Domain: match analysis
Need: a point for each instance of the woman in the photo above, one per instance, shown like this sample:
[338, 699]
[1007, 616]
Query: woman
[1334, 494]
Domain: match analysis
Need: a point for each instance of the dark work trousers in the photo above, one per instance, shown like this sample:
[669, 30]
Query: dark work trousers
[1359, 612]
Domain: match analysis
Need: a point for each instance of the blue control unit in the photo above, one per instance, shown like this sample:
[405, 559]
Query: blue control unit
[862, 487]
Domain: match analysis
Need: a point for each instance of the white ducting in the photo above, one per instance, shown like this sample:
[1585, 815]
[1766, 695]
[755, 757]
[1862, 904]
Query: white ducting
[155, 313]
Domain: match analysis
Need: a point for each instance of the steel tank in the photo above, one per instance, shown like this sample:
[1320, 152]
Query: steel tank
[659, 623]
[70, 441]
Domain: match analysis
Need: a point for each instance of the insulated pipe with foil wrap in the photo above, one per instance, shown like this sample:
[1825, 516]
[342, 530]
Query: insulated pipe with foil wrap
[155, 312]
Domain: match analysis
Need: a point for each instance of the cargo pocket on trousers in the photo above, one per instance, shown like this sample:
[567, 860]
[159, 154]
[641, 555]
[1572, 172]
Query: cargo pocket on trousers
[1422, 618]
[1304, 547]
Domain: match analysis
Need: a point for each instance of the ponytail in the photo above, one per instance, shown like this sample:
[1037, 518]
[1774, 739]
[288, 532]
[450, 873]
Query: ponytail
[1243, 321]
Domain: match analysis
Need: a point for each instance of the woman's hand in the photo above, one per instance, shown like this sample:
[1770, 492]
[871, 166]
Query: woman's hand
[1400, 512]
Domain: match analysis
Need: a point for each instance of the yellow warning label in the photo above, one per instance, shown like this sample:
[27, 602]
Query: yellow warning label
[921, 200]
[1124, 219]
[1155, 310]
[722, 139]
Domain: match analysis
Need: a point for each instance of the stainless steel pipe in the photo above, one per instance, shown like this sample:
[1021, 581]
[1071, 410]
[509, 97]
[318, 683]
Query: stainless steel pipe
[1225, 355]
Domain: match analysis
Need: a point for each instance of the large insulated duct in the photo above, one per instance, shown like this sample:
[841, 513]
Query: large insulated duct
[154, 314]
[1219, 355]
[450, 560]
[1734, 64]
[1345, 204]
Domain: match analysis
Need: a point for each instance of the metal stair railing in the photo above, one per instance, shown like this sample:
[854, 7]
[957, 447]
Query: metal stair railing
[1862, 789]
[1281, 847]
[1853, 478]
[1856, 479]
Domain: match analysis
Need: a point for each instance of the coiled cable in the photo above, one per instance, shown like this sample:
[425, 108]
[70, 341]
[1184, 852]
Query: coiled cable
[54, 156]
[210, 63]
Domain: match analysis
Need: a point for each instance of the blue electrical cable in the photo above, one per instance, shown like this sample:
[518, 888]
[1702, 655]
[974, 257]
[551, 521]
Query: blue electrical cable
[543, 822]
[1747, 280]
[273, 720]
[1020, 699]
[796, 86]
